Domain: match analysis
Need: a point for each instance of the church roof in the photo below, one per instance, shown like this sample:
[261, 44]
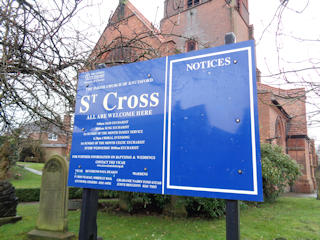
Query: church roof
[146, 22]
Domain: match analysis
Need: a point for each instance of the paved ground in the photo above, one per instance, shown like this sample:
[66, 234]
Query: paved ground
[32, 170]
[300, 195]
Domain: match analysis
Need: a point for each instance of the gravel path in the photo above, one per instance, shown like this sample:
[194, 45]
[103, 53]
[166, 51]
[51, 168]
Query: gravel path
[32, 170]
[300, 195]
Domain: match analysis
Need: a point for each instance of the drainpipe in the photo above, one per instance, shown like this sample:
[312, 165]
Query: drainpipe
[232, 8]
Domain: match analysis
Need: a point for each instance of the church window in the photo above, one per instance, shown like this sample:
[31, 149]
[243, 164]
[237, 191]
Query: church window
[52, 137]
[191, 3]
[280, 134]
[121, 11]
[191, 45]
[121, 54]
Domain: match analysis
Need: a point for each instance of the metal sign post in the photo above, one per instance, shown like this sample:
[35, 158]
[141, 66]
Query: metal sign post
[232, 220]
[88, 219]
[232, 206]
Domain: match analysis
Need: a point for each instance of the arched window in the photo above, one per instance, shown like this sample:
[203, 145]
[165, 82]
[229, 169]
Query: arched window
[280, 132]
[191, 45]
[120, 54]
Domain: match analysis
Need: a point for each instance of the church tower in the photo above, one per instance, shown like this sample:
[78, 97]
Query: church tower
[197, 24]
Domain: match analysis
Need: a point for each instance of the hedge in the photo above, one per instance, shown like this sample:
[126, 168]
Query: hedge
[28, 194]
[33, 194]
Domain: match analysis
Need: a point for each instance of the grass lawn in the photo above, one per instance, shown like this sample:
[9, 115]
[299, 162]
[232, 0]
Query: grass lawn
[36, 166]
[25, 178]
[288, 218]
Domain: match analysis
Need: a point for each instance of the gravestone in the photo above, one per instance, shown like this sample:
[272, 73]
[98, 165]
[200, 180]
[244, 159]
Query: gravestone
[52, 220]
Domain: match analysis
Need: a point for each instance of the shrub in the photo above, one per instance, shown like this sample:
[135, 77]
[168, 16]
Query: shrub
[31, 151]
[28, 194]
[205, 207]
[12, 143]
[278, 171]
[196, 207]
[108, 194]
[133, 202]
[75, 193]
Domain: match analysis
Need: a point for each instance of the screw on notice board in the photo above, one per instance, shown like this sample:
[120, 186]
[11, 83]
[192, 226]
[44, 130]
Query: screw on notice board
[83, 129]
[145, 169]
[149, 75]
[238, 120]
[240, 171]
[79, 166]
[235, 61]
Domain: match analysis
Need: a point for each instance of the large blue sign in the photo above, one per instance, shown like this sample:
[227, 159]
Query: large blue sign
[183, 125]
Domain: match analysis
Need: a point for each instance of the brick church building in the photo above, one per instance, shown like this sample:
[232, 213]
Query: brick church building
[195, 24]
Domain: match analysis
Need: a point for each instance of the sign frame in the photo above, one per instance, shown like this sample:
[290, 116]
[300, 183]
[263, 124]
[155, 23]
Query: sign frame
[253, 123]
[168, 66]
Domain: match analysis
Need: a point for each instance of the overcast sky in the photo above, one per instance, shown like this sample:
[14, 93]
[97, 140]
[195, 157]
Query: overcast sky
[298, 40]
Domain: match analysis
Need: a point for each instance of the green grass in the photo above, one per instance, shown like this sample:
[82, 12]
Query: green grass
[21, 178]
[289, 218]
[36, 166]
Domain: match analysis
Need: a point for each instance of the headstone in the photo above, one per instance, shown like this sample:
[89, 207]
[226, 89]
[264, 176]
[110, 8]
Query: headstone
[52, 221]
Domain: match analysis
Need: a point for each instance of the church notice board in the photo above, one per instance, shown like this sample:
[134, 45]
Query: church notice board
[186, 124]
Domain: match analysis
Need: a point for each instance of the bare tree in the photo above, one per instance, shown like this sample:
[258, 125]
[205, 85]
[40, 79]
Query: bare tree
[294, 65]
[40, 54]
[42, 50]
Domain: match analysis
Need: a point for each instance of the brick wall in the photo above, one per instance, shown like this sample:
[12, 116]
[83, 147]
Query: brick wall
[131, 30]
[293, 101]
[298, 149]
[206, 23]
[264, 100]
[297, 144]
[273, 122]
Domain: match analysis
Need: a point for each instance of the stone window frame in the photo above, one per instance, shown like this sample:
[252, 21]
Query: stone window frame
[280, 132]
